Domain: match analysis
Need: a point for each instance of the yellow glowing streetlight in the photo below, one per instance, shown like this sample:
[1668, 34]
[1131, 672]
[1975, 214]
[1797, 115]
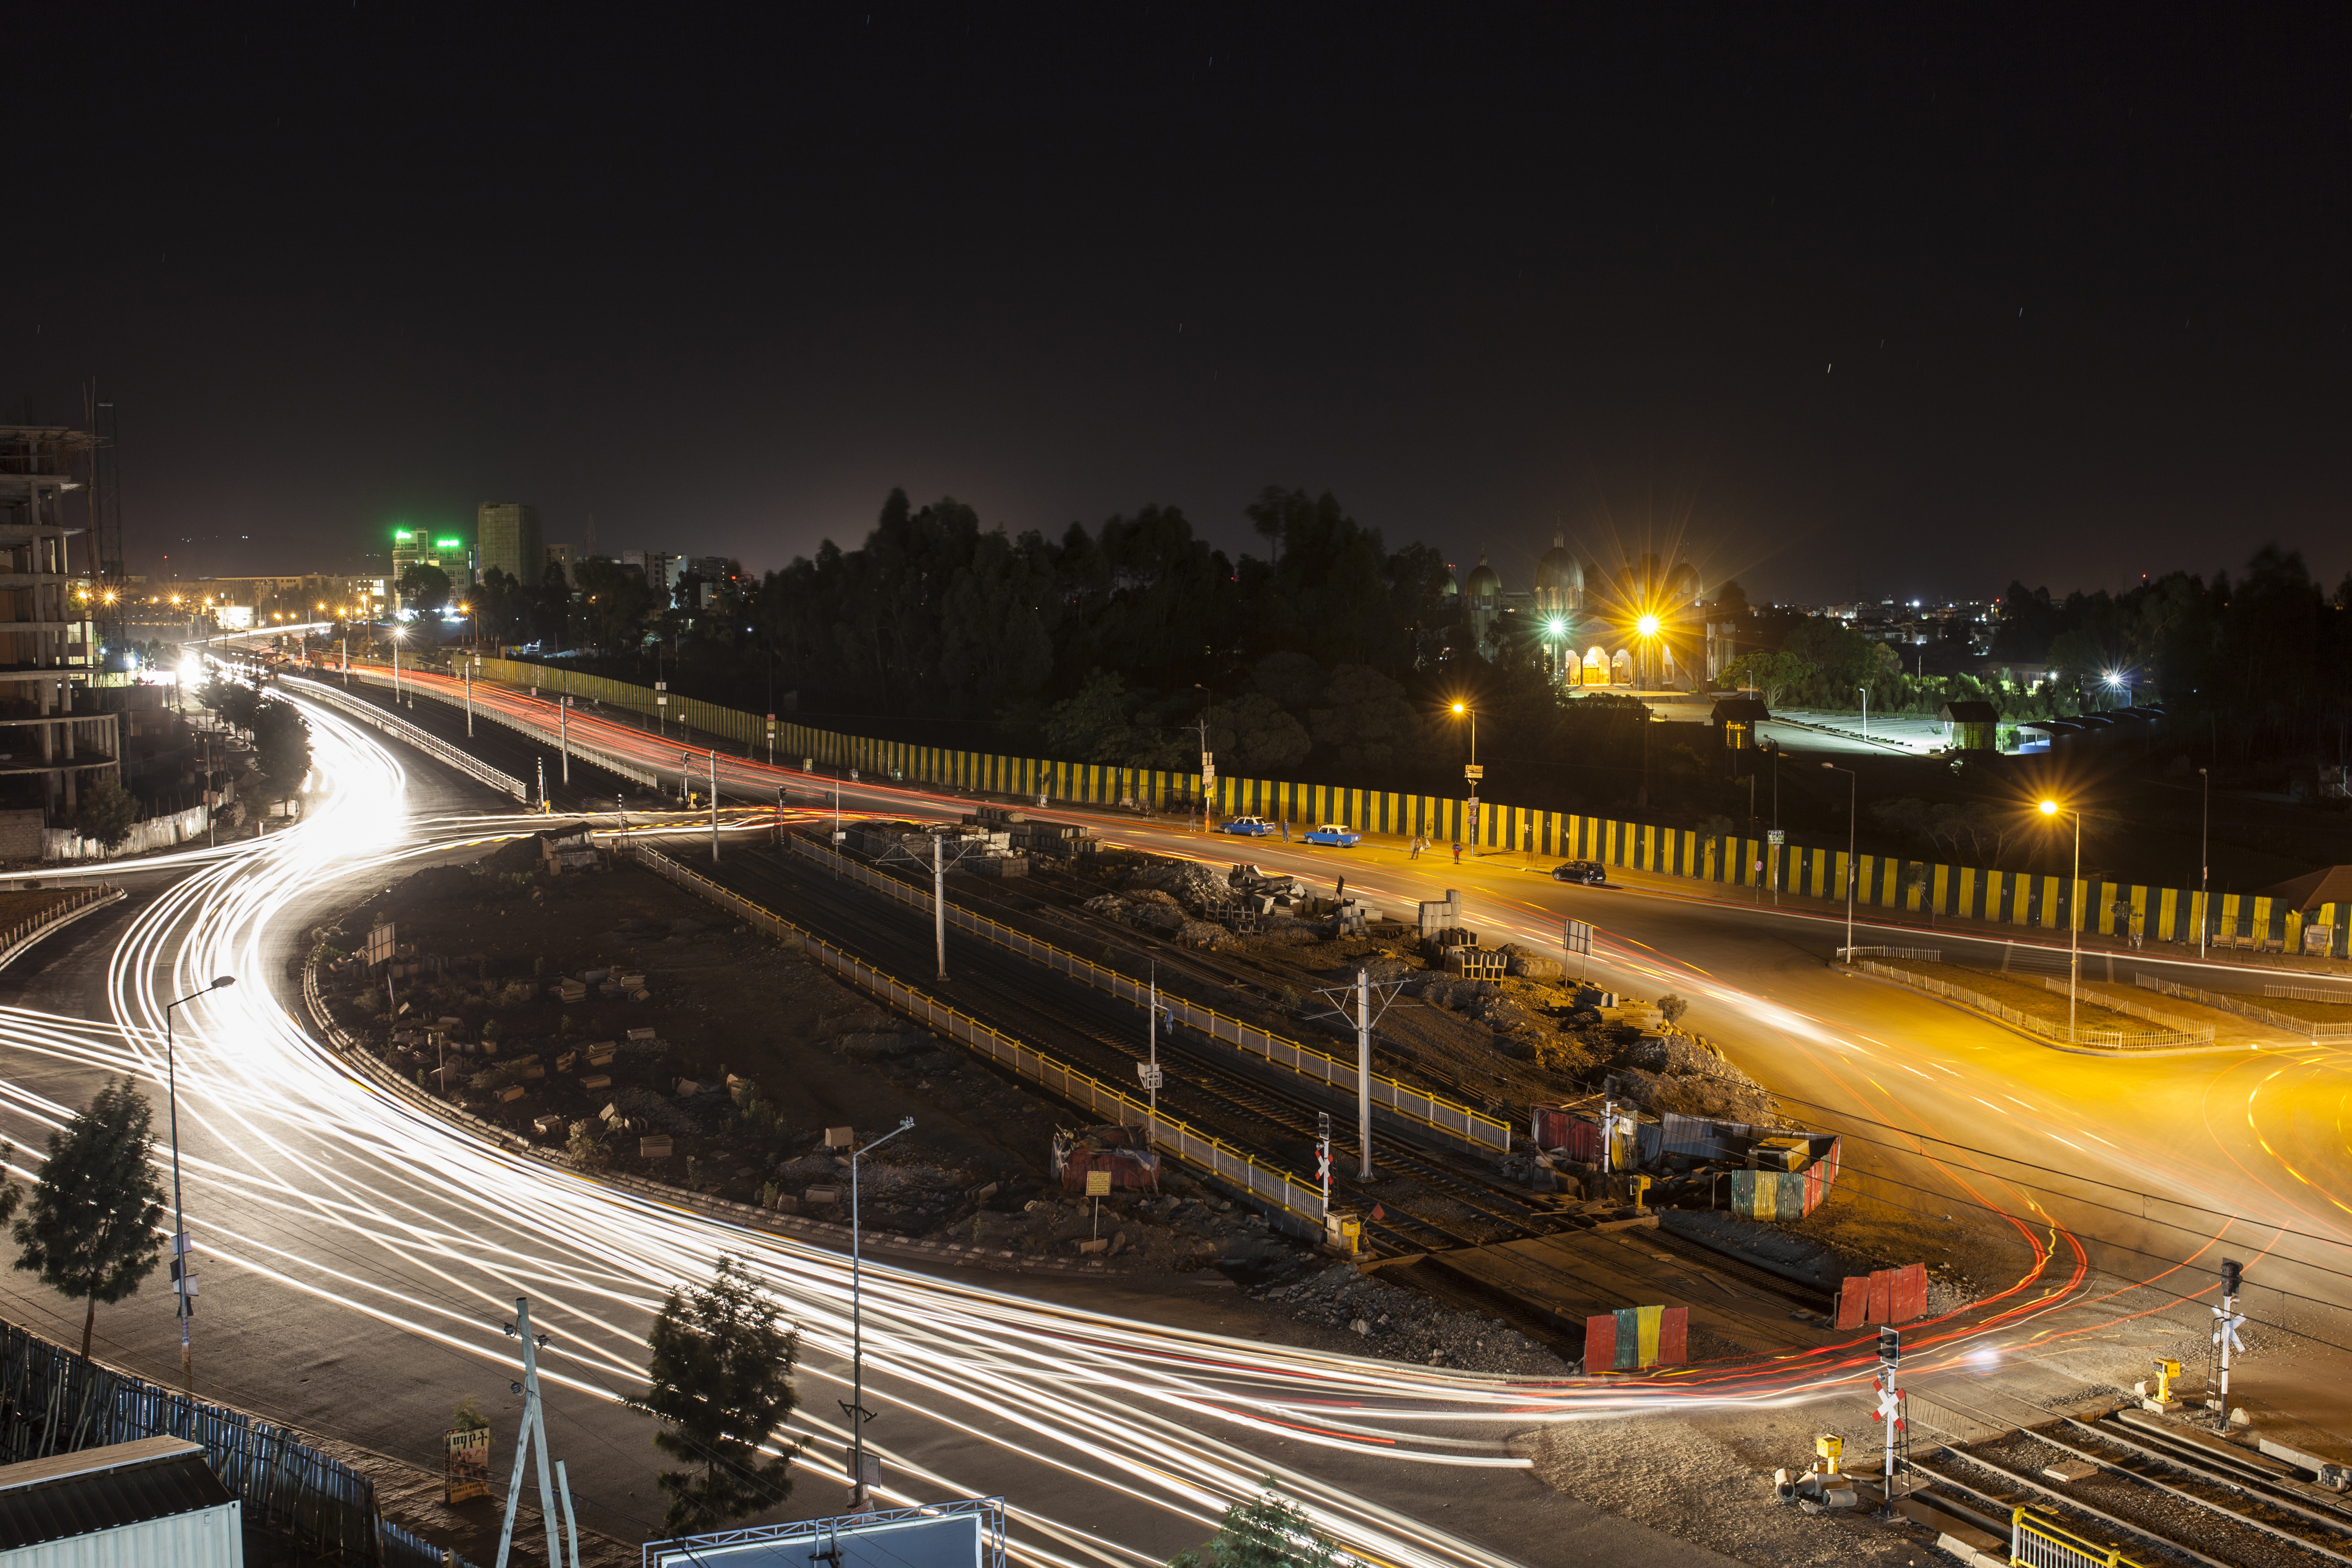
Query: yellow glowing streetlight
[2074, 914]
[1647, 626]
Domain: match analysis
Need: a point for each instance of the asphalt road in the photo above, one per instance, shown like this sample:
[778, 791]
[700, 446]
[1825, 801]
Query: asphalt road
[357, 1259]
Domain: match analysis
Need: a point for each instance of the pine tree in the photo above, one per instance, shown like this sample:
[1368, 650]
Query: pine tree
[719, 1366]
[1266, 1532]
[90, 1232]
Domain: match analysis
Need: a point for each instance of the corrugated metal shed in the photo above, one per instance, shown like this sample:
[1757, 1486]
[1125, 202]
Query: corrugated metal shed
[152, 1501]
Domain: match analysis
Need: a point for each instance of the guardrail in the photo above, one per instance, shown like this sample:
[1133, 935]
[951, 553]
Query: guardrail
[2309, 1027]
[2115, 1003]
[608, 761]
[1925, 954]
[2109, 1040]
[400, 729]
[25, 933]
[1268, 1183]
[1402, 1100]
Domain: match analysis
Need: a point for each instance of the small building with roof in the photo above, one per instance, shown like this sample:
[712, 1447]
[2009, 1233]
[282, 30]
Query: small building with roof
[126, 1505]
[1970, 724]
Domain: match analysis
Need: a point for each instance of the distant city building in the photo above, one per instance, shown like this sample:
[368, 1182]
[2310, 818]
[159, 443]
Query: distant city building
[509, 535]
[560, 555]
[660, 569]
[425, 547]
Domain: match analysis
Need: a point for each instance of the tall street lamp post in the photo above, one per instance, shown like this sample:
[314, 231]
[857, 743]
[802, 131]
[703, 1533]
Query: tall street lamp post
[2205, 863]
[184, 1284]
[1471, 774]
[856, 1408]
[1853, 801]
[2074, 914]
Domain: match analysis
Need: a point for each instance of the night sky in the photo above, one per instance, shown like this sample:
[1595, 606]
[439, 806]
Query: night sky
[1891, 301]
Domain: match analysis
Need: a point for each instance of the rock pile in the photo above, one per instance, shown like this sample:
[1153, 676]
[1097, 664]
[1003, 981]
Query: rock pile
[1403, 1325]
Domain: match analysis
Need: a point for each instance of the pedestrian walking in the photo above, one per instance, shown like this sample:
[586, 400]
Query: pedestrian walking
[1286, 830]
[1457, 852]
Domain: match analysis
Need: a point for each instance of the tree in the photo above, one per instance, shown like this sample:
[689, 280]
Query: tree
[89, 1232]
[106, 811]
[424, 587]
[233, 700]
[1672, 1008]
[1265, 1531]
[281, 745]
[719, 1368]
[1772, 674]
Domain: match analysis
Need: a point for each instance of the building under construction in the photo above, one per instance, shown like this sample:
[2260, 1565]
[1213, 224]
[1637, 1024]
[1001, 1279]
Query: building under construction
[49, 751]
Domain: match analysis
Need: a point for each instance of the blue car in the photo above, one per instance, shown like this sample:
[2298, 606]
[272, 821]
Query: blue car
[1337, 834]
[1250, 826]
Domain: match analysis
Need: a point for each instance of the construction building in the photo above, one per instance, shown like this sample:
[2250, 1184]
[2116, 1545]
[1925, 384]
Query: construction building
[507, 534]
[49, 644]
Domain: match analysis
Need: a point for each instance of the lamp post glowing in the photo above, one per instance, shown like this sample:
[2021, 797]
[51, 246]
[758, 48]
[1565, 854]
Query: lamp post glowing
[1470, 774]
[2073, 915]
[1648, 627]
[183, 1285]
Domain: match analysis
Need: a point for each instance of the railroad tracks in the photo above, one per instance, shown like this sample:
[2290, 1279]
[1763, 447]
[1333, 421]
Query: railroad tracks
[1099, 1033]
[2161, 1491]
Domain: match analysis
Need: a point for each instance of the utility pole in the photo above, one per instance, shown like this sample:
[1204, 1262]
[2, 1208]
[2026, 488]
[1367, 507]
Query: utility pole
[2204, 863]
[859, 1500]
[714, 809]
[534, 1425]
[1364, 1074]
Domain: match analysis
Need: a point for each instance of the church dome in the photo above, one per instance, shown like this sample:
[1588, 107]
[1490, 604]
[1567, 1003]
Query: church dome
[1453, 590]
[1483, 581]
[1558, 572]
[1683, 584]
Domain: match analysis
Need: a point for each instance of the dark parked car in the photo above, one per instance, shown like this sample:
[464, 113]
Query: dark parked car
[1589, 872]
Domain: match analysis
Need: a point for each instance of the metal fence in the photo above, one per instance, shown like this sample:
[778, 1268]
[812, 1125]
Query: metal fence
[1925, 954]
[2246, 1009]
[2125, 1004]
[2109, 1040]
[430, 744]
[1408, 1103]
[55, 1401]
[543, 734]
[2038, 1542]
[1268, 1183]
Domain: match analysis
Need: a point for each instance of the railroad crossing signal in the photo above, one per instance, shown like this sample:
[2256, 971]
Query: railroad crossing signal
[1323, 1154]
[1150, 1075]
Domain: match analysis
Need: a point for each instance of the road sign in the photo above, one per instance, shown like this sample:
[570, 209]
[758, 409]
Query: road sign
[1473, 770]
[1097, 1184]
[1576, 936]
[379, 944]
[1150, 1075]
[467, 1471]
[1776, 838]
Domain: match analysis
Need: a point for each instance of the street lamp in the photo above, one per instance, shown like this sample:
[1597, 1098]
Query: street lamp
[1648, 627]
[1470, 775]
[1853, 800]
[2204, 863]
[398, 632]
[182, 1286]
[855, 1408]
[2074, 914]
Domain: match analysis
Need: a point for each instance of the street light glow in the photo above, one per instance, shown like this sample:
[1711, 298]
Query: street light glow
[1559, 626]
[1459, 709]
[2049, 808]
[1647, 626]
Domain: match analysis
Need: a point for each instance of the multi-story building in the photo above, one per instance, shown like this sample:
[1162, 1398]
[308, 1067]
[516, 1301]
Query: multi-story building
[48, 646]
[560, 555]
[507, 534]
[425, 547]
[661, 569]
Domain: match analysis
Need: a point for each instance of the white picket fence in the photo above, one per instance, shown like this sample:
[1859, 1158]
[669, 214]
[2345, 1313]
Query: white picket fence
[155, 833]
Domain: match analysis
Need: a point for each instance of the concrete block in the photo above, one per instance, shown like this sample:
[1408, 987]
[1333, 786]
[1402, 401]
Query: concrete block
[1098, 1244]
[840, 1137]
[820, 1197]
[2070, 1470]
[597, 1081]
[549, 1126]
[654, 1146]
[511, 1093]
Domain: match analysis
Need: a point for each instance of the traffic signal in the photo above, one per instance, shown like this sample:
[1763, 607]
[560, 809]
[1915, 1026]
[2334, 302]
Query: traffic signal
[2234, 1273]
[1890, 1345]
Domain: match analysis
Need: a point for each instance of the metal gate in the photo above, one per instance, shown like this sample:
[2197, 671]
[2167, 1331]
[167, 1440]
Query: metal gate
[2037, 1542]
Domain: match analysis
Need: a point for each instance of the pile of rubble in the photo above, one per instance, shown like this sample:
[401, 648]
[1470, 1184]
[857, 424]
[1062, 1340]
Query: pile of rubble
[1403, 1325]
[1679, 1072]
[1153, 909]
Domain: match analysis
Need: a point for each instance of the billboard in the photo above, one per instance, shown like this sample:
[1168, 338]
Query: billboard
[965, 1534]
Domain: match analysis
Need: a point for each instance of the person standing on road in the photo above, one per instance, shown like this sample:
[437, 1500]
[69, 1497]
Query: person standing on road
[1286, 830]
[1457, 852]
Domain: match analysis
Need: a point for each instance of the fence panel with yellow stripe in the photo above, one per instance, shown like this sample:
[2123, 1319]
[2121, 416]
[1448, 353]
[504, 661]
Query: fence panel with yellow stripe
[1457, 1123]
[2008, 898]
[1270, 1183]
[2038, 1542]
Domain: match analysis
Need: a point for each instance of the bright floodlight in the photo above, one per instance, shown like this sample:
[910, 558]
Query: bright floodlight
[2049, 808]
[1558, 626]
[2114, 679]
[1647, 626]
[1458, 708]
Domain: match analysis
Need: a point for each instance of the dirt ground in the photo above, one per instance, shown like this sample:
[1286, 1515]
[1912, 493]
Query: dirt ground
[752, 1053]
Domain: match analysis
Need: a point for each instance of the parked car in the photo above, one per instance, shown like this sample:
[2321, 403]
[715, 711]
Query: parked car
[1250, 826]
[1337, 834]
[1589, 872]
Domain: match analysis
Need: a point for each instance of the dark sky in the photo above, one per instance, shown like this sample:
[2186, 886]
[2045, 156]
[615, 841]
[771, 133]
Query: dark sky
[1893, 301]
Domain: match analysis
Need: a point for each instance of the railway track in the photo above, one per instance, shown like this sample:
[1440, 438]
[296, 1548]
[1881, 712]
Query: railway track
[2161, 1491]
[1013, 904]
[1099, 1033]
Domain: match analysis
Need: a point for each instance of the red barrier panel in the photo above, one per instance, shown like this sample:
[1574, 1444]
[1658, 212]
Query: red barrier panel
[1853, 1302]
[1601, 1343]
